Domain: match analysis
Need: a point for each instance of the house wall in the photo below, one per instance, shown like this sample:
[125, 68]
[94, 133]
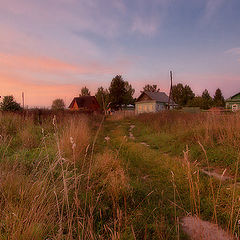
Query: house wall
[233, 103]
[145, 107]
[75, 106]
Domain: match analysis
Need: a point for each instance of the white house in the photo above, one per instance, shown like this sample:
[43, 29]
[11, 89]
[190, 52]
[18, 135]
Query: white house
[153, 102]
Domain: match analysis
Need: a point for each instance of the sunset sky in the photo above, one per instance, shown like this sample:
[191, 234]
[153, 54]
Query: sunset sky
[51, 48]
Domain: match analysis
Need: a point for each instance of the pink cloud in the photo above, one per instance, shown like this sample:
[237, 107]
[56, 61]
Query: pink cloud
[233, 51]
[55, 66]
[38, 94]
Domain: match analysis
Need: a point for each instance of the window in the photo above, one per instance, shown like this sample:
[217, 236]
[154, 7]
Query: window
[234, 107]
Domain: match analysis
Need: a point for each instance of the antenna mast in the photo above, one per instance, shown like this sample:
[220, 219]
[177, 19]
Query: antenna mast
[23, 99]
[170, 92]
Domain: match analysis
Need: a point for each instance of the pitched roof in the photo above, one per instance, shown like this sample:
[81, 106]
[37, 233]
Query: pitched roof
[87, 102]
[229, 99]
[157, 96]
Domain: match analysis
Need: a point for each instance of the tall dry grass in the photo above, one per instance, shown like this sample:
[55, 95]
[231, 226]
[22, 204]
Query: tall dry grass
[75, 137]
[70, 193]
[208, 128]
[122, 114]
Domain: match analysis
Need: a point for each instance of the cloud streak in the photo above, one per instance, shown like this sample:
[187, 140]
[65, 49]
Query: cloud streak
[212, 7]
[93, 15]
[40, 93]
[55, 66]
[233, 51]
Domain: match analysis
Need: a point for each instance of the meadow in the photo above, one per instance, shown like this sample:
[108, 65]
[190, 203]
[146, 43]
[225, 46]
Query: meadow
[75, 176]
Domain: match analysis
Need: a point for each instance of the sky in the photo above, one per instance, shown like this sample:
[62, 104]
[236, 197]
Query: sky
[52, 48]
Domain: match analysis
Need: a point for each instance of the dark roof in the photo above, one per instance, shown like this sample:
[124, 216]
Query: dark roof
[86, 102]
[232, 96]
[157, 96]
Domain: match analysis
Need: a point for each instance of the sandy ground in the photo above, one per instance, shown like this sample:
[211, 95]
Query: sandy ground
[130, 132]
[216, 175]
[198, 229]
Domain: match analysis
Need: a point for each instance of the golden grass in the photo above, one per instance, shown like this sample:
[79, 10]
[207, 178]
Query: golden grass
[75, 137]
[27, 207]
[121, 114]
[109, 172]
[28, 138]
[208, 128]
[60, 197]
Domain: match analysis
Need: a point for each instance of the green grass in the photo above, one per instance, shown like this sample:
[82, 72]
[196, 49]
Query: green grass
[150, 170]
[119, 189]
[219, 155]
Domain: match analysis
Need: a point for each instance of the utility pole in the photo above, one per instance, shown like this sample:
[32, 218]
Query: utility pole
[23, 99]
[170, 92]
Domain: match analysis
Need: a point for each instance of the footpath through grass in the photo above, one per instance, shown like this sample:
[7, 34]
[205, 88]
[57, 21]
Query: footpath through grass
[164, 188]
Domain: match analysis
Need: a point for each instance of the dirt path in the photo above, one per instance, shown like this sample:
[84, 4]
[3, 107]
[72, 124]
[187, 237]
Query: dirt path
[214, 174]
[217, 176]
[198, 229]
[131, 136]
[153, 170]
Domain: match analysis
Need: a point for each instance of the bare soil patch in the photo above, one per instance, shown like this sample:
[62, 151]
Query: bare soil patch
[198, 229]
[216, 175]
[131, 136]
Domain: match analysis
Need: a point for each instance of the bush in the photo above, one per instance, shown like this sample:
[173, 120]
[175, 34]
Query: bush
[9, 104]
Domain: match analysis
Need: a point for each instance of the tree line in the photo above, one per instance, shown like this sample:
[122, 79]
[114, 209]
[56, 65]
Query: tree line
[184, 96]
[120, 93]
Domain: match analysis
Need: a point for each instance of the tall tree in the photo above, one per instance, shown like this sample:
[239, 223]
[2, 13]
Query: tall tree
[102, 97]
[120, 92]
[84, 92]
[178, 94]
[218, 99]
[207, 100]
[9, 104]
[189, 94]
[182, 94]
[128, 97]
[58, 104]
[151, 88]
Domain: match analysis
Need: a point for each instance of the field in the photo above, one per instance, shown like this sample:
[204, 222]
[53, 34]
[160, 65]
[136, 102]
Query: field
[72, 176]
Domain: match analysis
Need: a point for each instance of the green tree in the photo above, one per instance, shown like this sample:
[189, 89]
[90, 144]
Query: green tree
[151, 88]
[120, 92]
[58, 104]
[102, 97]
[9, 104]
[218, 99]
[84, 92]
[182, 94]
[207, 100]
[128, 97]
[196, 102]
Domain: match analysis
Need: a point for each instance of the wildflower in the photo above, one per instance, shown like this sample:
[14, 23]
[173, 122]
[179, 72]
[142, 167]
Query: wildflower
[73, 146]
[107, 138]
[54, 120]
[73, 143]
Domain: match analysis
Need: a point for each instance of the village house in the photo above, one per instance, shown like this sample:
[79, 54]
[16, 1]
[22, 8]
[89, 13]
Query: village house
[153, 102]
[233, 102]
[85, 104]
